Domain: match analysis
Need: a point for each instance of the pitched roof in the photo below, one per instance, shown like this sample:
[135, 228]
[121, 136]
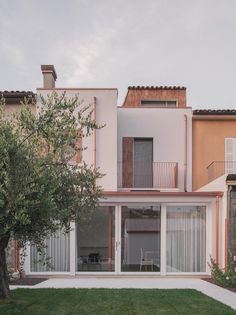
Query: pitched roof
[14, 97]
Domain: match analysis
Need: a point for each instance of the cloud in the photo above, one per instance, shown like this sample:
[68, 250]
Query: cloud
[121, 43]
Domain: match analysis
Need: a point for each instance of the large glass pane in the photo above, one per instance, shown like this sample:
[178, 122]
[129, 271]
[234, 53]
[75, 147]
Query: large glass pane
[95, 241]
[186, 239]
[56, 257]
[141, 236]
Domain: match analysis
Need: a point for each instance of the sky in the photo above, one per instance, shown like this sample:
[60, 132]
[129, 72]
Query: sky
[105, 43]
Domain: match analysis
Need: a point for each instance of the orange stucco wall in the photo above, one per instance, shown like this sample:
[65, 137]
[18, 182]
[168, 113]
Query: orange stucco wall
[209, 135]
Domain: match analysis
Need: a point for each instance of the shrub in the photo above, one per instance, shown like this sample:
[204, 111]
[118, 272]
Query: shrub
[225, 278]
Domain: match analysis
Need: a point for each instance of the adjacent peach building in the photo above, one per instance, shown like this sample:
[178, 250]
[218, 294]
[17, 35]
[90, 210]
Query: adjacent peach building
[214, 134]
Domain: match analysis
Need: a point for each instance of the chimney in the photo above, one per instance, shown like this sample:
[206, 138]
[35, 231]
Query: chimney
[49, 76]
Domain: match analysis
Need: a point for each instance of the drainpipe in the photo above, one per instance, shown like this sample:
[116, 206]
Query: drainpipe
[217, 227]
[227, 226]
[94, 134]
[185, 150]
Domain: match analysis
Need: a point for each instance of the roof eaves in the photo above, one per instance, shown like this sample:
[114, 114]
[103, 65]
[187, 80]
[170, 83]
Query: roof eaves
[14, 97]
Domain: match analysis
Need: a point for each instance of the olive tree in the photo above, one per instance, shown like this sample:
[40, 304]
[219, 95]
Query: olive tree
[41, 191]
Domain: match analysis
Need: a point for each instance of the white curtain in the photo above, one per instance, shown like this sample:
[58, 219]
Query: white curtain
[57, 254]
[186, 239]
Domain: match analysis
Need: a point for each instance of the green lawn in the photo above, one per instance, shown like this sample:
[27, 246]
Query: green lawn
[113, 301]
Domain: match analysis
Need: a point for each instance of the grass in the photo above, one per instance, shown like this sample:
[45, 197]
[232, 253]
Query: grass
[110, 302]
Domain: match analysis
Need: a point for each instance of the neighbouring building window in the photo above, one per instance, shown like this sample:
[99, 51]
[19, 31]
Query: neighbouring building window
[230, 155]
[159, 103]
[186, 239]
[56, 257]
[96, 241]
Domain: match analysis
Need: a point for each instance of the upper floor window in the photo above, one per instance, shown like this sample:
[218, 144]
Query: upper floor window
[159, 103]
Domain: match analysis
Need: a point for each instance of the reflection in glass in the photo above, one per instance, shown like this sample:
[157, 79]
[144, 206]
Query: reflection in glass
[186, 239]
[95, 241]
[140, 246]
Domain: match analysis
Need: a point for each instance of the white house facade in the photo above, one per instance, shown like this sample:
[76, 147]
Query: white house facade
[150, 221]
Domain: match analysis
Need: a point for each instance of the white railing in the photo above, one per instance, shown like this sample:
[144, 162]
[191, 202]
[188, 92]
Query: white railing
[219, 168]
[147, 175]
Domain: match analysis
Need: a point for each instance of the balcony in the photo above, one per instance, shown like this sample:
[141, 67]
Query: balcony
[143, 175]
[219, 168]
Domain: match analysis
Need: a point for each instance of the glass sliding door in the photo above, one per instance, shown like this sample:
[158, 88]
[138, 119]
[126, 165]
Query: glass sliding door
[186, 238]
[95, 241]
[140, 238]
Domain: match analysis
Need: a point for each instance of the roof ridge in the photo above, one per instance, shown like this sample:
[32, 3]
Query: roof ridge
[156, 87]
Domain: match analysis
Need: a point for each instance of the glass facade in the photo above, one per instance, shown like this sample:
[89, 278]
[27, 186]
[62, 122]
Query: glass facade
[127, 238]
[186, 239]
[96, 242]
[140, 238]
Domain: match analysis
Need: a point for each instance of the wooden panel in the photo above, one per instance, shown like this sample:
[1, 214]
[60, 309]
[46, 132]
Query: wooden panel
[127, 169]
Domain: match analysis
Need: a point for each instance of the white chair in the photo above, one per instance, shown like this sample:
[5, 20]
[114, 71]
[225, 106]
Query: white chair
[145, 262]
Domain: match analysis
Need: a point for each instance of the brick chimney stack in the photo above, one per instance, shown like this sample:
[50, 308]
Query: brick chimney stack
[49, 76]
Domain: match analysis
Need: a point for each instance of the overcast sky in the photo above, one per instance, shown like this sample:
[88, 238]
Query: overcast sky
[105, 43]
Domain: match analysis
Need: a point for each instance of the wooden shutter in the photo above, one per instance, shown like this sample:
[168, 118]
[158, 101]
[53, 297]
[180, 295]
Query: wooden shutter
[229, 149]
[229, 155]
[127, 166]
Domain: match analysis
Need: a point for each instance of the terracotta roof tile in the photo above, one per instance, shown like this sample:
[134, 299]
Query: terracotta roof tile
[156, 88]
[214, 112]
[14, 97]
[15, 92]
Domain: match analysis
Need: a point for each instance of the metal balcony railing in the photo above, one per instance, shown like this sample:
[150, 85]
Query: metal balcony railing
[147, 175]
[219, 168]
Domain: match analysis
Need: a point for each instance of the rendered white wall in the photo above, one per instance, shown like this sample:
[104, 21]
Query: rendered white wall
[167, 128]
[106, 138]
[219, 184]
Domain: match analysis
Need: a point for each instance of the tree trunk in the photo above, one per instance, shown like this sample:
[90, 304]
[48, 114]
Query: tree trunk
[4, 278]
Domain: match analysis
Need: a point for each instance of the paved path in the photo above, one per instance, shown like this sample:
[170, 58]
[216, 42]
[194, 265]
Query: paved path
[215, 292]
